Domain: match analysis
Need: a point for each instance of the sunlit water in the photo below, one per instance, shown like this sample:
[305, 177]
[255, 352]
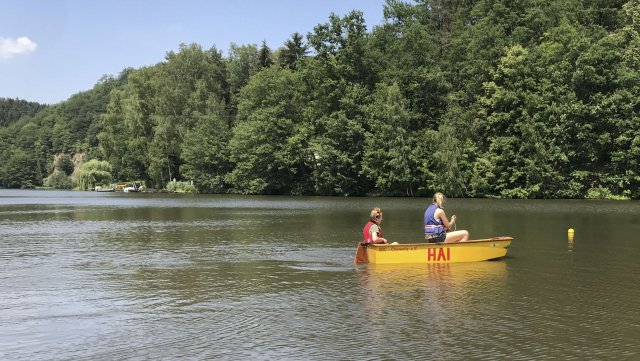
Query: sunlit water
[114, 276]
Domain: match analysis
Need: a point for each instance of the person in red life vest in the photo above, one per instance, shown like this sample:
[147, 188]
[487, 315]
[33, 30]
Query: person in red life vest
[372, 231]
[436, 224]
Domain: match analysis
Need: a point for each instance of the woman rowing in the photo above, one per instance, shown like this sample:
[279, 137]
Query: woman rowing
[437, 225]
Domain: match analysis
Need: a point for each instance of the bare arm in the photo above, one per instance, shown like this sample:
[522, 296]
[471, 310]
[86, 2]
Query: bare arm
[377, 239]
[374, 236]
[443, 217]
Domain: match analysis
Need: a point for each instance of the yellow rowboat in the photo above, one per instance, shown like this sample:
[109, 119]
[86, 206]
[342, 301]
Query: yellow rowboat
[470, 251]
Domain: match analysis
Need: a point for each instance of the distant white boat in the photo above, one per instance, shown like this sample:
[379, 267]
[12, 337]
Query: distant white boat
[135, 187]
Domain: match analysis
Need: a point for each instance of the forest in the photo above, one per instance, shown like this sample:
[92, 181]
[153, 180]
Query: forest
[474, 98]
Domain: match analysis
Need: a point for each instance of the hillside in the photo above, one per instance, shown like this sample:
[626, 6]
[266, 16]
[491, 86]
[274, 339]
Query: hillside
[528, 99]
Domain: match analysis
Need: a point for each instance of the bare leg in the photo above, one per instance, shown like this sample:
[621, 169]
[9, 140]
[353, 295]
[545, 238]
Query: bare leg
[457, 236]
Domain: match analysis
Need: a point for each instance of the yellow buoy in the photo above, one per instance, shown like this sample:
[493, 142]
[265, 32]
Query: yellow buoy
[570, 233]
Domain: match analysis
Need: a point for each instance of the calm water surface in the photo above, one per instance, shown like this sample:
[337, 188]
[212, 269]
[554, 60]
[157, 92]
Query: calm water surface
[125, 276]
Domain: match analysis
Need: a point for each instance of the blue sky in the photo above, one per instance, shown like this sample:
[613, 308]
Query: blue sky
[50, 50]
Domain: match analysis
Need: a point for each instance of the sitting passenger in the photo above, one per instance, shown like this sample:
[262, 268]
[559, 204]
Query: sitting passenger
[436, 224]
[372, 231]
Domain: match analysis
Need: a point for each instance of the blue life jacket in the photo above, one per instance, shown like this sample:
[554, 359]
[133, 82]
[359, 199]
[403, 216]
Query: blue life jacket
[431, 225]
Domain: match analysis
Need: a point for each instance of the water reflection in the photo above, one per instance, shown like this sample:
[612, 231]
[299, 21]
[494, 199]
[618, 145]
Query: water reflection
[570, 235]
[397, 285]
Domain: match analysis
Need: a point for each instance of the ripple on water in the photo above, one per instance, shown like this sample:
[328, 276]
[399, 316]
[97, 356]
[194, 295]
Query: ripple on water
[272, 279]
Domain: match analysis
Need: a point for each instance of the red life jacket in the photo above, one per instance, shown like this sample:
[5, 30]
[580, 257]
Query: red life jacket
[366, 232]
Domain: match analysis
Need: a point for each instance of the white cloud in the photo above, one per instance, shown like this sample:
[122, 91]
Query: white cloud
[11, 47]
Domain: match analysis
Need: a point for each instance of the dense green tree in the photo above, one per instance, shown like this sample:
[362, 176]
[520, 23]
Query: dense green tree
[447, 158]
[11, 110]
[124, 147]
[388, 144]
[205, 153]
[267, 153]
[414, 41]
[345, 40]
[293, 52]
[58, 180]
[20, 170]
[62, 140]
[518, 130]
[339, 83]
[64, 164]
[337, 152]
[265, 56]
[93, 173]
[157, 108]
[524, 99]
[243, 62]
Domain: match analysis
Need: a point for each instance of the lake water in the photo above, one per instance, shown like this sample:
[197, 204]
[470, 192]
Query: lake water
[131, 276]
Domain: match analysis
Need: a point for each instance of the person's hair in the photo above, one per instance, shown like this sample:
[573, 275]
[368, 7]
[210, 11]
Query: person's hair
[375, 215]
[438, 199]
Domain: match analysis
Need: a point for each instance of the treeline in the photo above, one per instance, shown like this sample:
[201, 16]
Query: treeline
[519, 99]
[13, 109]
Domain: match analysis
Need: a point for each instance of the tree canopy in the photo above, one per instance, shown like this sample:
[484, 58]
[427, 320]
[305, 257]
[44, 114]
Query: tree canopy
[525, 99]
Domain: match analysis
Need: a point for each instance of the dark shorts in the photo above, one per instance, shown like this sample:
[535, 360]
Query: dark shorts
[436, 239]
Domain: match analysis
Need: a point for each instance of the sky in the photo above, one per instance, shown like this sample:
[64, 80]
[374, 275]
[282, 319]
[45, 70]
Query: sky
[50, 50]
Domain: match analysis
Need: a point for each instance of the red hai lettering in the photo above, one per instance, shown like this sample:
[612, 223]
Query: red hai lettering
[431, 254]
[439, 256]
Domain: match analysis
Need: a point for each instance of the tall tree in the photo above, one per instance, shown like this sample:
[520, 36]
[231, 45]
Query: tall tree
[13, 109]
[293, 51]
[339, 84]
[268, 155]
[93, 173]
[20, 170]
[243, 62]
[265, 56]
[160, 104]
[387, 154]
[205, 152]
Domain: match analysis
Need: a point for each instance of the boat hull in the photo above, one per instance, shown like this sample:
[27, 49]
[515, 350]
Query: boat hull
[471, 251]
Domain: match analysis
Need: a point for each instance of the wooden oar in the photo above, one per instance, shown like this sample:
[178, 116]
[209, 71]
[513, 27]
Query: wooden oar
[361, 254]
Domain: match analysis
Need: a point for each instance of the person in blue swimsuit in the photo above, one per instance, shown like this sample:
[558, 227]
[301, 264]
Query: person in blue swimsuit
[437, 225]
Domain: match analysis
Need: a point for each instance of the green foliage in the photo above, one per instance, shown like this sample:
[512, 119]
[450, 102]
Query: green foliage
[147, 120]
[266, 150]
[64, 164]
[206, 154]
[447, 161]
[387, 152]
[11, 110]
[337, 154]
[58, 180]
[293, 52]
[265, 57]
[603, 193]
[92, 173]
[518, 99]
[243, 62]
[19, 170]
[181, 187]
